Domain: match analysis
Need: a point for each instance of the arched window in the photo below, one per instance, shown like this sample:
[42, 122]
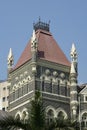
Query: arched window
[61, 115]
[84, 119]
[25, 116]
[50, 115]
[18, 117]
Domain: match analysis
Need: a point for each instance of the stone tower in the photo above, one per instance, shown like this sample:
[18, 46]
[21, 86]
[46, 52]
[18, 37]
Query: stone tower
[42, 66]
[73, 84]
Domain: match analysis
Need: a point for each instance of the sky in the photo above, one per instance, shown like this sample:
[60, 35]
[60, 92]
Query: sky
[68, 24]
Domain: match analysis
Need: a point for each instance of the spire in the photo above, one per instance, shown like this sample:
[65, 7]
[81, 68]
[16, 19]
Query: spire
[73, 53]
[72, 71]
[10, 59]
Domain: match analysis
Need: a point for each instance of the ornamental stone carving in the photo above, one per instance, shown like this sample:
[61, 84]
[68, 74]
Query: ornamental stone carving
[10, 59]
[47, 72]
[34, 41]
[55, 74]
[73, 53]
[62, 75]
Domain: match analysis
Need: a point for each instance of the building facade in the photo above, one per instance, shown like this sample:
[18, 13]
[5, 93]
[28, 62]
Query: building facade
[43, 66]
[4, 95]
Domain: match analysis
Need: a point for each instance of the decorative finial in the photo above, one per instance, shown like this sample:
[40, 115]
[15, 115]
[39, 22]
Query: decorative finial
[73, 53]
[10, 59]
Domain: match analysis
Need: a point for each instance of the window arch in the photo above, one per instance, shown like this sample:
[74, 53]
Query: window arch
[61, 113]
[25, 115]
[50, 113]
[18, 116]
[84, 119]
[51, 108]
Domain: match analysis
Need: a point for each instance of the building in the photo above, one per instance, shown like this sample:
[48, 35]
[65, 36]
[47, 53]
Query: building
[82, 96]
[43, 66]
[4, 95]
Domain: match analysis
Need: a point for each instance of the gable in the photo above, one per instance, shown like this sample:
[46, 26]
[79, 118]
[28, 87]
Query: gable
[84, 90]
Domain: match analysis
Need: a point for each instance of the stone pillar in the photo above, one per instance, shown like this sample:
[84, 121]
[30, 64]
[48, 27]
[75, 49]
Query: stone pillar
[34, 46]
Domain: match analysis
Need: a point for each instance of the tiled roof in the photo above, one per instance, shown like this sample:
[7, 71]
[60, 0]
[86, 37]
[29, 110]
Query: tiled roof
[48, 50]
[25, 56]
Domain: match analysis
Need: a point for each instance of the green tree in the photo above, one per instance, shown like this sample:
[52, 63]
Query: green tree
[9, 123]
[66, 124]
[37, 113]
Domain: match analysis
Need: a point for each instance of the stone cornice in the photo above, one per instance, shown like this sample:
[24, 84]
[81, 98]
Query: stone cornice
[53, 65]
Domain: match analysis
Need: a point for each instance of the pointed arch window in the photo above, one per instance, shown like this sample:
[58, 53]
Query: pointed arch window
[84, 119]
[50, 116]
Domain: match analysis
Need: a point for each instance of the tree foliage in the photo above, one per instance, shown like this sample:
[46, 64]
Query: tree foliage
[37, 113]
[9, 123]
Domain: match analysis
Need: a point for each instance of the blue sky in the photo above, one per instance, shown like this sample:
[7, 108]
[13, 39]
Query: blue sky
[68, 24]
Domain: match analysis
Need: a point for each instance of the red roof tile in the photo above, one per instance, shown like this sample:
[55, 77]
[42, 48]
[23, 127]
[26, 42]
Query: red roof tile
[48, 49]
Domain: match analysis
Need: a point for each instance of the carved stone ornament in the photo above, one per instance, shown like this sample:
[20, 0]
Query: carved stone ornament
[10, 59]
[55, 74]
[73, 53]
[29, 78]
[34, 40]
[62, 75]
[47, 72]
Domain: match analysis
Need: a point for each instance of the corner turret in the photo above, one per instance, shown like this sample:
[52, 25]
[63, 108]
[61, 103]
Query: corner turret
[34, 46]
[73, 83]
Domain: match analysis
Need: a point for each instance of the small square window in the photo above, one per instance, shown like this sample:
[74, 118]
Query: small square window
[3, 99]
[4, 88]
[3, 108]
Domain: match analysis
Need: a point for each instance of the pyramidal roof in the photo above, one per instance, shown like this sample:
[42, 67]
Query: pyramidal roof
[48, 49]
